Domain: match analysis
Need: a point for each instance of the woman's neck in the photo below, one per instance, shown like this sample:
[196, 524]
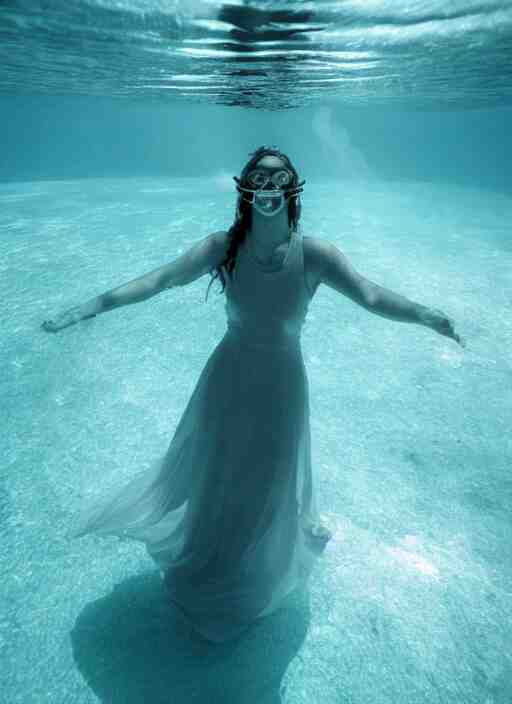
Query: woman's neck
[267, 241]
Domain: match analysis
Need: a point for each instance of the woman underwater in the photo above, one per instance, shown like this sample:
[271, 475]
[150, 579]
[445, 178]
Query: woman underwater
[229, 513]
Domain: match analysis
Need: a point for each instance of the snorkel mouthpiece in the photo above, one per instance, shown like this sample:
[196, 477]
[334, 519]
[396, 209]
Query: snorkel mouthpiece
[269, 202]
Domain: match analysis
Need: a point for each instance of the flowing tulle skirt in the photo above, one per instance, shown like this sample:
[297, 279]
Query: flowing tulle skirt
[229, 513]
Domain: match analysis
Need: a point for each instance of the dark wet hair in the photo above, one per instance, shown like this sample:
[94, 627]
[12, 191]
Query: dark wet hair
[243, 220]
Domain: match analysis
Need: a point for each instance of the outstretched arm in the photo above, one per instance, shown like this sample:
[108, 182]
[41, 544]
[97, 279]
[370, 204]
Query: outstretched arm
[337, 272]
[201, 258]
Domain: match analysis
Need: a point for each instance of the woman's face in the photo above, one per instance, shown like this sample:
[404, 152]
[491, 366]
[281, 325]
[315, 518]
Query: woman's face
[269, 176]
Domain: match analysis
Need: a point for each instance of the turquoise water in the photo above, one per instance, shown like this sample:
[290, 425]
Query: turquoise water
[410, 440]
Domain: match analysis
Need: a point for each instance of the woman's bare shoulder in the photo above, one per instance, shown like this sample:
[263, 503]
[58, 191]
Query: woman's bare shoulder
[222, 239]
[315, 243]
[316, 251]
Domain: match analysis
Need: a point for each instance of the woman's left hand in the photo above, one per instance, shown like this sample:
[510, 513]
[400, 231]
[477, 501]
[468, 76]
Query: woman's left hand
[441, 323]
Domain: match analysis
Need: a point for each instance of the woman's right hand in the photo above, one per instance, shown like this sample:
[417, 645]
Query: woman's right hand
[64, 320]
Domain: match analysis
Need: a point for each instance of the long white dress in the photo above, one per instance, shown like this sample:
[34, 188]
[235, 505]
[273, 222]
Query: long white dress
[229, 513]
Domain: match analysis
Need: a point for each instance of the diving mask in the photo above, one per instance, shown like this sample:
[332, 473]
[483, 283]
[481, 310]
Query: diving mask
[266, 200]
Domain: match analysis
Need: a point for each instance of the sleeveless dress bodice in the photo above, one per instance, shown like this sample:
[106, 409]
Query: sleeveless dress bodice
[267, 306]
